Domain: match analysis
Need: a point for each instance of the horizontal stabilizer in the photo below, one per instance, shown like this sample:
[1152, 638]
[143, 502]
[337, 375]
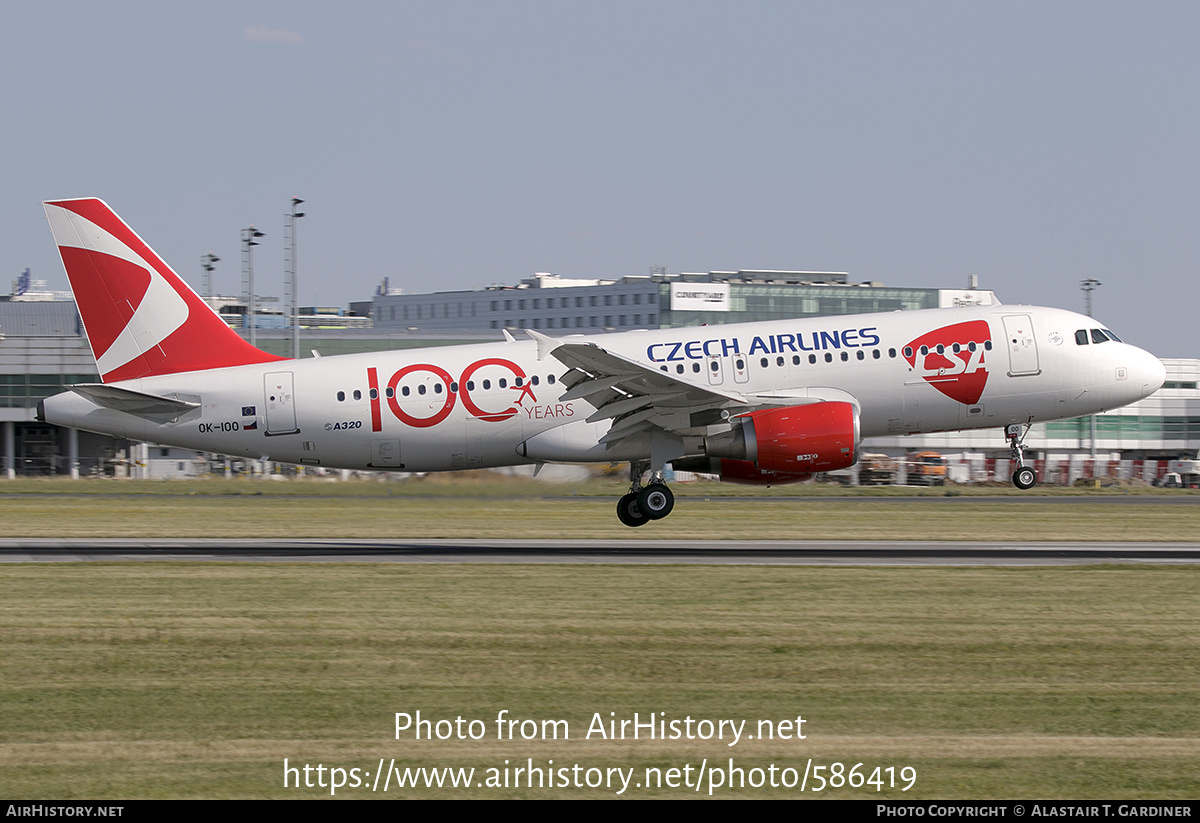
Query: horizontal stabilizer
[135, 402]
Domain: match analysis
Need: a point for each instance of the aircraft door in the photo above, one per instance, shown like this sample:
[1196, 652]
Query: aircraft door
[280, 402]
[716, 370]
[1022, 347]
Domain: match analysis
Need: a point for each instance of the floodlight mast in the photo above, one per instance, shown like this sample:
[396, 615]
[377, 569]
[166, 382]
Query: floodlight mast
[249, 241]
[208, 263]
[290, 276]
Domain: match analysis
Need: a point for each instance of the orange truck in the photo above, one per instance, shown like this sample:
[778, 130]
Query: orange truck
[926, 469]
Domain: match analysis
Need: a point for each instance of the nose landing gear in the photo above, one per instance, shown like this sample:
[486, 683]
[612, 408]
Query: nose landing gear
[1024, 477]
[641, 505]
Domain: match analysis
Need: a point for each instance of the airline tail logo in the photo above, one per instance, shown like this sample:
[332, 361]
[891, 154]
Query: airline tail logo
[953, 359]
[141, 318]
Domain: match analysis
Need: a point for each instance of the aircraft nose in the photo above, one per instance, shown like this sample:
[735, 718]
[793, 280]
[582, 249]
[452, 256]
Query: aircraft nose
[1151, 372]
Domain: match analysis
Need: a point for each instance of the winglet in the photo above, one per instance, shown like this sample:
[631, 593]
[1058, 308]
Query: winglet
[545, 343]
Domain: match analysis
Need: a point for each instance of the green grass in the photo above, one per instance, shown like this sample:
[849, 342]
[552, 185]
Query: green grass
[476, 484]
[498, 507]
[414, 518]
[197, 680]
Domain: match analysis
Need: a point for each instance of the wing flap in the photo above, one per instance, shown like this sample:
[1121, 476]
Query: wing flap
[638, 399]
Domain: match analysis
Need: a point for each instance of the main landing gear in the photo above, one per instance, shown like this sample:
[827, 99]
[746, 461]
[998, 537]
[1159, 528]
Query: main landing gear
[1024, 477]
[643, 504]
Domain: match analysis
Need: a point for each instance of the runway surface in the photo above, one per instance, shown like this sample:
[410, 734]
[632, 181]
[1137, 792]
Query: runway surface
[628, 551]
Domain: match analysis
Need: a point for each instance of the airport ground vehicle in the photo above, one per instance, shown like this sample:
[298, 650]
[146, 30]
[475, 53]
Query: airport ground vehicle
[927, 468]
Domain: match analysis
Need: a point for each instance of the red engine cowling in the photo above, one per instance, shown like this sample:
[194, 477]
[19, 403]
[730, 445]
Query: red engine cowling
[819, 437]
[792, 441]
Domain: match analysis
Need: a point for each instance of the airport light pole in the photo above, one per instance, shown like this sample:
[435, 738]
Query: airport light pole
[250, 237]
[208, 263]
[292, 281]
[1089, 285]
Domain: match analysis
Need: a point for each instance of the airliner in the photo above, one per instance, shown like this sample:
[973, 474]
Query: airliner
[764, 403]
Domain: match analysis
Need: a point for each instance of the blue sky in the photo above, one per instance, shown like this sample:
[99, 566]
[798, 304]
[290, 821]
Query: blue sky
[458, 144]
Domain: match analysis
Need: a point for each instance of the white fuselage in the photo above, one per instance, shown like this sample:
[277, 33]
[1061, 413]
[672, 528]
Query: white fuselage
[461, 407]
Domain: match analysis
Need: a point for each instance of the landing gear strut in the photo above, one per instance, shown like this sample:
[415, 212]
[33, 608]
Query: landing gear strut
[1024, 477]
[641, 505]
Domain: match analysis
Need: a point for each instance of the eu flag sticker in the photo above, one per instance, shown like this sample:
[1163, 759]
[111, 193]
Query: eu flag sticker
[248, 411]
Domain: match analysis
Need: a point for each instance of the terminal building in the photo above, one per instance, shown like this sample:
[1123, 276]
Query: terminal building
[43, 349]
[550, 303]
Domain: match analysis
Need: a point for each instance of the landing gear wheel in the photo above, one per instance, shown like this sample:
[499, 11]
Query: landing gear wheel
[656, 501]
[1024, 478]
[629, 513]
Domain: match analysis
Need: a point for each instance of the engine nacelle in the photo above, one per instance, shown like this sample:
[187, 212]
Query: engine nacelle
[792, 440]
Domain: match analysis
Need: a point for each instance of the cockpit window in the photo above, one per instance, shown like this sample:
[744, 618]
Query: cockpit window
[1081, 337]
[1098, 336]
[1111, 336]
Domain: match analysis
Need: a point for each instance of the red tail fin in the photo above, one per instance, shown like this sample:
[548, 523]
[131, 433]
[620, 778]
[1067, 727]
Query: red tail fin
[141, 318]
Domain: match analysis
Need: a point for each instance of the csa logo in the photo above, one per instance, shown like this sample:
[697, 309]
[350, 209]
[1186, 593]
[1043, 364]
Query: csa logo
[951, 359]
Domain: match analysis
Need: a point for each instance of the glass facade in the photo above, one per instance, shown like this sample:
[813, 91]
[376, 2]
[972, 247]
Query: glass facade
[23, 391]
[1126, 427]
[749, 302]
